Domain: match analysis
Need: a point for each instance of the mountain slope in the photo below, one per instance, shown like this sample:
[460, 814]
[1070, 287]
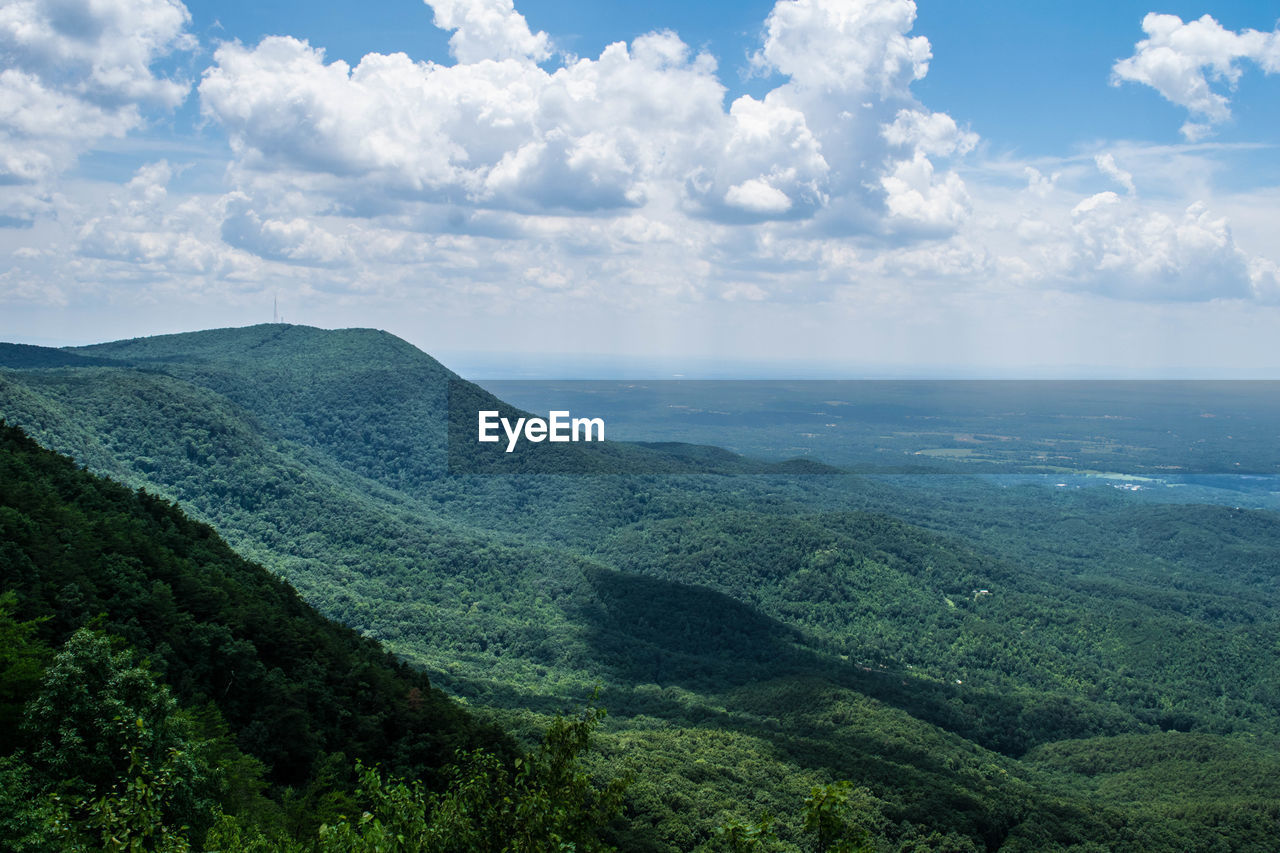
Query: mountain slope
[78, 550]
[754, 620]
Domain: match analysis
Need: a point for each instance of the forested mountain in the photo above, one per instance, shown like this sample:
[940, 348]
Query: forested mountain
[79, 551]
[996, 668]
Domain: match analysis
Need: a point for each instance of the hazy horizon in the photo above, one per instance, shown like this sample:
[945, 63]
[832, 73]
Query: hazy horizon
[480, 365]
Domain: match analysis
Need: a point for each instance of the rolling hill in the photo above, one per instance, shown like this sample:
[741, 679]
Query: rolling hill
[755, 632]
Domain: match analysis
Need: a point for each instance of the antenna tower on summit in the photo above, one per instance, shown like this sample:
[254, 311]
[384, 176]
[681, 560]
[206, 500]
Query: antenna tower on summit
[275, 308]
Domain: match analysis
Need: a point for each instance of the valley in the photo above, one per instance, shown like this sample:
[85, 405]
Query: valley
[756, 629]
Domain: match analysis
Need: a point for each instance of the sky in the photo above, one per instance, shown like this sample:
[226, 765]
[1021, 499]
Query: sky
[816, 187]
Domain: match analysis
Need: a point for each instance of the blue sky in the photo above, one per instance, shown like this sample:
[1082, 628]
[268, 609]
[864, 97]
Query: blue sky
[852, 187]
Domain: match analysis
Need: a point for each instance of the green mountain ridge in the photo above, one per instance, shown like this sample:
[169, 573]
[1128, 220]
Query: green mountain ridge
[707, 604]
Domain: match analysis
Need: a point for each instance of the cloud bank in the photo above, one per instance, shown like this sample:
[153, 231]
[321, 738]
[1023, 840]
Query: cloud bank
[642, 124]
[631, 179]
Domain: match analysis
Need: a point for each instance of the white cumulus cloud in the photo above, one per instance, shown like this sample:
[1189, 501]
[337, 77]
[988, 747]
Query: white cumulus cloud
[1121, 250]
[1184, 60]
[488, 29]
[642, 124]
[73, 72]
[1264, 276]
[757, 196]
[1106, 164]
[143, 227]
[1038, 184]
[293, 240]
[589, 136]
[917, 197]
[929, 133]
[858, 46]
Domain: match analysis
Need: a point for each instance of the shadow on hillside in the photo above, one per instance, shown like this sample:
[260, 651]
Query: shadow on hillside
[643, 630]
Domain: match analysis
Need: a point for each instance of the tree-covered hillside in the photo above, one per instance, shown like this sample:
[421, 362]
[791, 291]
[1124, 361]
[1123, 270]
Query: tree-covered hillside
[158, 692]
[78, 551]
[755, 637]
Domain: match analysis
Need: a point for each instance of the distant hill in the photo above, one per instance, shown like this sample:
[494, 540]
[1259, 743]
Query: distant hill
[26, 356]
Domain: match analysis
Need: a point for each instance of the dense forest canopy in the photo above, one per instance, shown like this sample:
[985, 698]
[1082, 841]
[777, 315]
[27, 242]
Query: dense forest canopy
[989, 666]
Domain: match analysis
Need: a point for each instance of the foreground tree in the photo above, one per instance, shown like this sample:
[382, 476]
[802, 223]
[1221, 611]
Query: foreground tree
[119, 766]
[544, 801]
